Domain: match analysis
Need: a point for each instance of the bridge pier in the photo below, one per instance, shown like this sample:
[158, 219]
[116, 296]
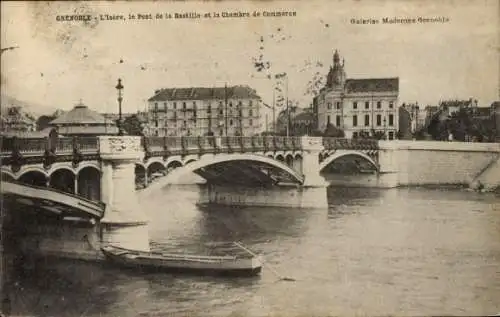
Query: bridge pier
[125, 223]
[313, 194]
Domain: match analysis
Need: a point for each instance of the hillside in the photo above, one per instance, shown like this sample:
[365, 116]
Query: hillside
[32, 108]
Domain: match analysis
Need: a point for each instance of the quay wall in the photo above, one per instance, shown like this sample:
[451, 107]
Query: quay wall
[420, 163]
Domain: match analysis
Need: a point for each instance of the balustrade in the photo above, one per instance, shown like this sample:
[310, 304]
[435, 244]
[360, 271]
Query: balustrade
[88, 144]
[31, 146]
[156, 144]
[349, 144]
[64, 145]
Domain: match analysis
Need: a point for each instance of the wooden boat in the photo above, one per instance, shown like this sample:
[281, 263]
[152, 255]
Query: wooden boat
[199, 264]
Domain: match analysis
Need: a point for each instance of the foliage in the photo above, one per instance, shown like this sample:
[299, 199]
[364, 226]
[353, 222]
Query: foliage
[132, 125]
[463, 126]
[332, 131]
[43, 122]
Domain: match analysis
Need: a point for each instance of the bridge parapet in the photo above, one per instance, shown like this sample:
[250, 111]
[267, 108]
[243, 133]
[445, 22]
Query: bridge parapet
[350, 144]
[165, 146]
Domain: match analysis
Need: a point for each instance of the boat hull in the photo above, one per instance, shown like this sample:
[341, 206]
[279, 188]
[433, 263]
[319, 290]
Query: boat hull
[243, 267]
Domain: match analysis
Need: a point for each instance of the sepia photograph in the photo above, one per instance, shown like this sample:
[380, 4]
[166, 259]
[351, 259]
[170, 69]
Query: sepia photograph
[250, 158]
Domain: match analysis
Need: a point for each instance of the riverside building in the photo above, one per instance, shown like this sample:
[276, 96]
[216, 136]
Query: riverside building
[200, 111]
[360, 107]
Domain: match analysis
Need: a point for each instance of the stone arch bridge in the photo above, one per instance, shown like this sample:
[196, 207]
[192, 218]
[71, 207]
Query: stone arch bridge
[101, 170]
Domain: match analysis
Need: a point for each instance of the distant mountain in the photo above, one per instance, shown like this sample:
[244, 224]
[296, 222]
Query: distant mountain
[29, 107]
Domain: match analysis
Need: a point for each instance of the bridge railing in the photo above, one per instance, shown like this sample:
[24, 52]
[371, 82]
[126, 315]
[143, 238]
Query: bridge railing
[211, 144]
[349, 144]
[38, 146]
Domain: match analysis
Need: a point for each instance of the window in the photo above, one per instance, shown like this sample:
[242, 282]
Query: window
[391, 135]
[337, 105]
[250, 113]
[355, 105]
[231, 122]
[209, 108]
[175, 105]
[367, 120]
[184, 105]
[354, 121]
[329, 105]
[379, 104]
[355, 135]
[221, 112]
[184, 123]
[328, 120]
[156, 106]
[379, 120]
[194, 104]
[337, 121]
[391, 104]
[250, 103]
[165, 105]
[250, 122]
[230, 104]
[391, 119]
[367, 105]
[240, 104]
[156, 123]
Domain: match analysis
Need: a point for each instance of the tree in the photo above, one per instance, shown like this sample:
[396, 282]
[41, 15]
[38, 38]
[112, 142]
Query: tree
[43, 122]
[332, 131]
[132, 125]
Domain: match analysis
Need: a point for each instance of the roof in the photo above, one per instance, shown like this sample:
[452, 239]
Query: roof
[203, 93]
[100, 130]
[80, 114]
[372, 85]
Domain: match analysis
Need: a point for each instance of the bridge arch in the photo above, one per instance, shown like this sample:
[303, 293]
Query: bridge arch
[153, 160]
[89, 183]
[289, 159]
[219, 160]
[63, 179]
[173, 164]
[155, 166]
[8, 176]
[85, 164]
[330, 159]
[280, 158]
[34, 176]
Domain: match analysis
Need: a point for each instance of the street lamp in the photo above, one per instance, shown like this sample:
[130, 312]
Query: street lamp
[119, 87]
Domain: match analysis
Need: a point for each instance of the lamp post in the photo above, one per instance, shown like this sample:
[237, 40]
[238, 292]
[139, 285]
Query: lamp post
[119, 87]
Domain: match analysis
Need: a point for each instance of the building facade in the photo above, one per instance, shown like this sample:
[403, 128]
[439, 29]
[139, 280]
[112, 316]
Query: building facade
[204, 111]
[15, 119]
[360, 107]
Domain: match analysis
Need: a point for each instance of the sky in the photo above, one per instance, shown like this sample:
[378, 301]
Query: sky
[57, 64]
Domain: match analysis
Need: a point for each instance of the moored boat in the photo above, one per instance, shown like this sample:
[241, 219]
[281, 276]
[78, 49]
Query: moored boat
[175, 262]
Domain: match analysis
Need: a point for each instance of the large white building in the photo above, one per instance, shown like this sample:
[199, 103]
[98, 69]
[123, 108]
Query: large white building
[200, 111]
[358, 106]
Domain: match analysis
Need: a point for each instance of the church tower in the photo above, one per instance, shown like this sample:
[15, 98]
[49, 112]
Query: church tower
[336, 76]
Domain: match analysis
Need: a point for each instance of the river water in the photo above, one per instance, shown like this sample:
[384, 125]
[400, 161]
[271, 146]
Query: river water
[373, 252]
